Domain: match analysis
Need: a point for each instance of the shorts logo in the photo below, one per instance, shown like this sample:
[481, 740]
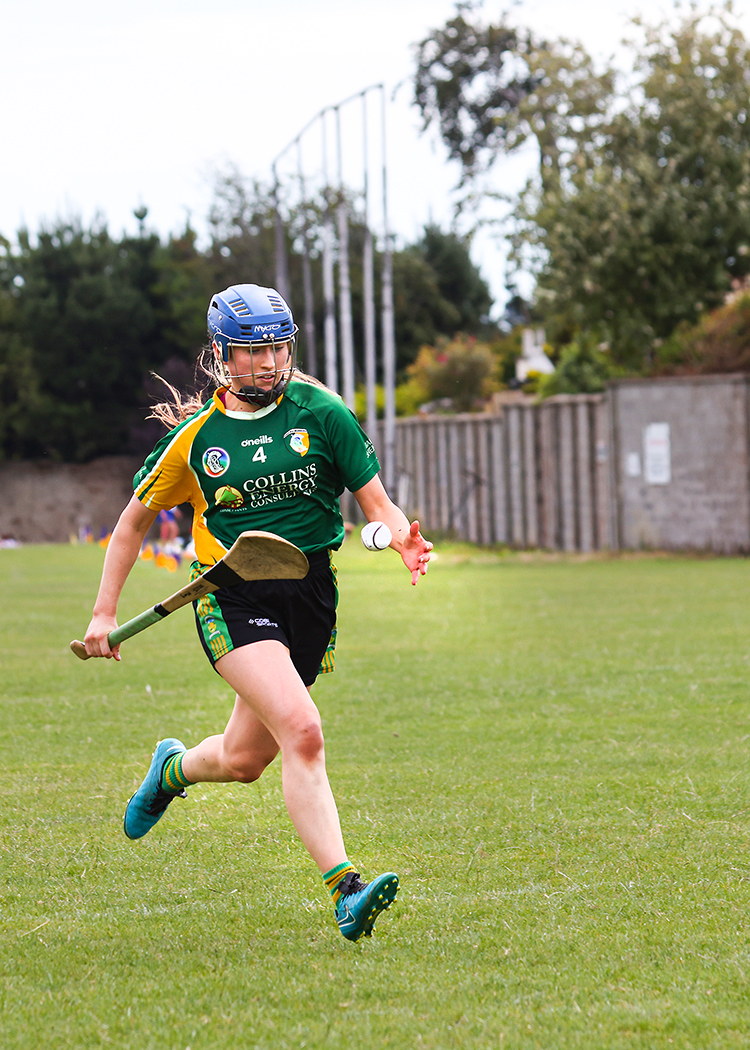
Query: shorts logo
[216, 462]
[299, 441]
[228, 497]
[262, 621]
[213, 628]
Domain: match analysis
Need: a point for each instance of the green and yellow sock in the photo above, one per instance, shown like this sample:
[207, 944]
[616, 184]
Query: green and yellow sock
[172, 777]
[333, 878]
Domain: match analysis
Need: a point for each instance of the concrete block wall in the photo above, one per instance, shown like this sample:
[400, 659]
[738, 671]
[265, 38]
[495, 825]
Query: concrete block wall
[50, 502]
[682, 472]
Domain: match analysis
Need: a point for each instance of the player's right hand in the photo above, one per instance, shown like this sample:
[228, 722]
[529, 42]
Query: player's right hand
[96, 638]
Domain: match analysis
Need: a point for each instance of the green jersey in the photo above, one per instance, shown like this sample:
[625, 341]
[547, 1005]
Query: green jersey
[280, 469]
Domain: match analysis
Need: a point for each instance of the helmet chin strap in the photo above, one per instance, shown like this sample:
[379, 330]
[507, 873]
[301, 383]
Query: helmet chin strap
[252, 395]
[260, 396]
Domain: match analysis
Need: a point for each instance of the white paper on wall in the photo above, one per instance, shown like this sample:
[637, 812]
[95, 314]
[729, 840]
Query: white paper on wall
[657, 454]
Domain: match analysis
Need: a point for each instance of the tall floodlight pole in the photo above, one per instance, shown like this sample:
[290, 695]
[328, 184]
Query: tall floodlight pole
[345, 286]
[329, 330]
[311, 357]
[368, 290]
[389, 337]
[282, 271]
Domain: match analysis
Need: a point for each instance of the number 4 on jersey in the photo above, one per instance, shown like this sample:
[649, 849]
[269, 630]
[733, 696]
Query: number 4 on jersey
[260, 456]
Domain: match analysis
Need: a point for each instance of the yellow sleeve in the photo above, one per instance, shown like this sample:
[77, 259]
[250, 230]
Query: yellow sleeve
[166, 478]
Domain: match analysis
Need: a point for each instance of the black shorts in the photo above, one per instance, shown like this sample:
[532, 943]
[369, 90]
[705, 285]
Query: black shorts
[299, 613]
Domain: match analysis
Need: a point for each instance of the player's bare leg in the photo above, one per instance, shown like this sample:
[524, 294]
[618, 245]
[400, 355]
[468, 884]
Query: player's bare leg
[264, 677]
[273, 711]
[240, 753]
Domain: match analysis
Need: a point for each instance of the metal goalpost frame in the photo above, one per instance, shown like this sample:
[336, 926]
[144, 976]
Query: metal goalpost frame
[345, 284]
[329, 295]
[368, 291]
[282, 270]
[311, 357]
[344, 328]
[388, 334]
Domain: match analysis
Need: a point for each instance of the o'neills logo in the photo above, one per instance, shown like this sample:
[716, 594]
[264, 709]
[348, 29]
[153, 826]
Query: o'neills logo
[299, 441]
[215, 462]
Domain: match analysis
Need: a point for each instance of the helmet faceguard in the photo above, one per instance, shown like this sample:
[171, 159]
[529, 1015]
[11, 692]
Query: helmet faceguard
[252, 318]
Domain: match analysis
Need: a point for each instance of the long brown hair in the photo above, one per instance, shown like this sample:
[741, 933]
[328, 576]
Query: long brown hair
[209, 376]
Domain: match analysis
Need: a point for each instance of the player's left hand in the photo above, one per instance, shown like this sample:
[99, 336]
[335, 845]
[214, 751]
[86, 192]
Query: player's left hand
[415, 552]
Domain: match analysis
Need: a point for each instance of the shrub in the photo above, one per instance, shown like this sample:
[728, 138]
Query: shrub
[582, 368]
[720, 342]
[459, 370]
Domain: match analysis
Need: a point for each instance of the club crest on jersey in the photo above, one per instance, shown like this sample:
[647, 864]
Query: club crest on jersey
[299, 441]
[215, 462]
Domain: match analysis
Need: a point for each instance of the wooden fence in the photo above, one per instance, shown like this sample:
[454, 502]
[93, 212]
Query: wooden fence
[534, 475]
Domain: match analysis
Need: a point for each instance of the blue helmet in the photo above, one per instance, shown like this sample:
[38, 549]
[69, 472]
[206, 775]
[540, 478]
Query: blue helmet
[246, 314]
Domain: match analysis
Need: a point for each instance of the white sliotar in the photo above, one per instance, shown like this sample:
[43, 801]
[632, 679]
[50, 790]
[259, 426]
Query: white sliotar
[376, 536]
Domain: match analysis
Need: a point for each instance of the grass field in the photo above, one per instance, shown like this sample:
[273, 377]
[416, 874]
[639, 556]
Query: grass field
[551, 753]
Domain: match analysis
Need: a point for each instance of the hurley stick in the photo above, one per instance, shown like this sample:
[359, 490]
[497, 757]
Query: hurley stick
[253, 556]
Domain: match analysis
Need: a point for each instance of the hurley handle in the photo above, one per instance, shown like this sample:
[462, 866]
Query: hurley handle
[126, 630]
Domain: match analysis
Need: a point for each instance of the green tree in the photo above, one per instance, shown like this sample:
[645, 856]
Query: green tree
[421, 313]
[19, 383]
[185, 283]
[242, 221]
[651, 226]
[639, 216]
[85, 311]
[492, 87]
[458, 279]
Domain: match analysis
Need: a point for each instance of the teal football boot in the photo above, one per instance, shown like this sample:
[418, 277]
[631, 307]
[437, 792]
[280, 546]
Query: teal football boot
[148, 804]
[360, 903]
